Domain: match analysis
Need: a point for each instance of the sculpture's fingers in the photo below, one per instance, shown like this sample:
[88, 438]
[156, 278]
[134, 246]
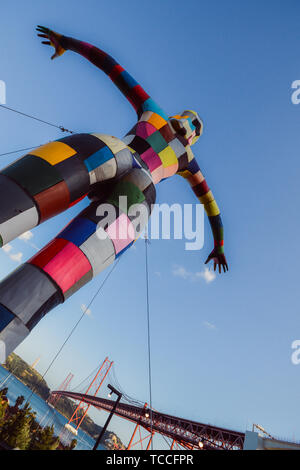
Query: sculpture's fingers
[42, 28]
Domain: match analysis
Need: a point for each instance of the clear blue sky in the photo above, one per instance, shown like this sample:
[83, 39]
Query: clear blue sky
[220, 350]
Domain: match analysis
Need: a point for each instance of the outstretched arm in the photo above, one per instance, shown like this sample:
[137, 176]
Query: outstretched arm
[135, 94]
[197, 181]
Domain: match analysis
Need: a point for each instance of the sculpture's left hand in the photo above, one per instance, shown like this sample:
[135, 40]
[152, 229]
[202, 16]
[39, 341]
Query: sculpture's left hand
[54, 40]
[219, 260]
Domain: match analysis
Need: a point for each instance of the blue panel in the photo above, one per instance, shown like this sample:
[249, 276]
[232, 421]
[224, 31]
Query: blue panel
[191, 124]
[78, 231]
[193, 166]
[131, 82]
[135, 163]
[5, 317]
[98, 158]
[150, 105]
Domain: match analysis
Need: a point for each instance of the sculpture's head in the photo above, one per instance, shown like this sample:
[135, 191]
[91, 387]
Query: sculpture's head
[188, 124]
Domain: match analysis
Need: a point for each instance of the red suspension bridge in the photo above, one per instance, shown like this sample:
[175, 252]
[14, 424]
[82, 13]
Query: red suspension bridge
[184, 433]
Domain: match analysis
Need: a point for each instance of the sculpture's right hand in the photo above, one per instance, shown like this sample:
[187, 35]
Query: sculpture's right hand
[54, 40]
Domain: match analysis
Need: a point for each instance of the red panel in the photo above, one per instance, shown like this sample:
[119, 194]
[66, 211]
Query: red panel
[68, 266]
[48, 252]
[53, 200]
[115, 72]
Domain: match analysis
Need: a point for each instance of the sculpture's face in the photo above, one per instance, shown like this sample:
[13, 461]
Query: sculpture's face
[188, 124]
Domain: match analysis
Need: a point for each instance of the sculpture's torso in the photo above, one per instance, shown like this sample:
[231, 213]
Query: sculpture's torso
[83, 160]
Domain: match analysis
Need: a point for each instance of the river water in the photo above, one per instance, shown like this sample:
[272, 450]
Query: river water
[45, 414]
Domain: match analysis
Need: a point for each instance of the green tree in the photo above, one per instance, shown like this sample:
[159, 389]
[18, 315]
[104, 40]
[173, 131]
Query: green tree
[3, 406]
[44, 439]
[16, 430]
[19, 401]
[73, 444]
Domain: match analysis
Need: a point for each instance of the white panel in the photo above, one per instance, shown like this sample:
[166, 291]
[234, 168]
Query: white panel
[100, 252]
[12, 228]
[10, 337]
[112, 142]
[104, 172]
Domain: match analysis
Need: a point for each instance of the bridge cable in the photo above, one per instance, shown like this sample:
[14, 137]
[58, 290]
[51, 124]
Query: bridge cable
[125, 397]
[74, 327]
[20, 150]
[62, 128]
[84, 380]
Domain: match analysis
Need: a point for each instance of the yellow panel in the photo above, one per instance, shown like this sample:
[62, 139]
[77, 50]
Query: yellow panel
[206, 198]
[189, 153]
[168, 157]
[212, 208]
[185, 174]
[54, 152]
[157, 121]
[113, 143]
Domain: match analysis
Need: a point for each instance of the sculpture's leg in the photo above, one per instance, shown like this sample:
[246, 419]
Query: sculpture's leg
[90, 243]
[38, 186]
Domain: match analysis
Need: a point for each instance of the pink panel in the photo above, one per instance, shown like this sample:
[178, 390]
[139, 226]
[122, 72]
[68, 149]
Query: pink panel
[151, 159]
[170, 170]
[157, 174]
[121, 232]
[144, 129]
[68, 266]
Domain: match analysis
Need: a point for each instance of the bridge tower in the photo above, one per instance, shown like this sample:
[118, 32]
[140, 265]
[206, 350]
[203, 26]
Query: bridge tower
[53, 399]
[139, 428]
[93, 389]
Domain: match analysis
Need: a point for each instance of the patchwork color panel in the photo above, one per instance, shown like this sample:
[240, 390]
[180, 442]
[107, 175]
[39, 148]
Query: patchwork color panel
[105, 171]
[98, 158]
[139, 177]
[29, 294]
[6, 316]
[54, 152]
[13, 334]
[121, 232]
[84, 144]
[126, 188]
[76, 176]
[64, 262]
[53, 201]
[99, 250]
[18, 212]
[151, 159]
[113, 143]
[78, 231]
[33, 174]
[124, 161]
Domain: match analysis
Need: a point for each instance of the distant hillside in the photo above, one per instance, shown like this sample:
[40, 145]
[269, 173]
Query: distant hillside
[33, 380]
[27, 375]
